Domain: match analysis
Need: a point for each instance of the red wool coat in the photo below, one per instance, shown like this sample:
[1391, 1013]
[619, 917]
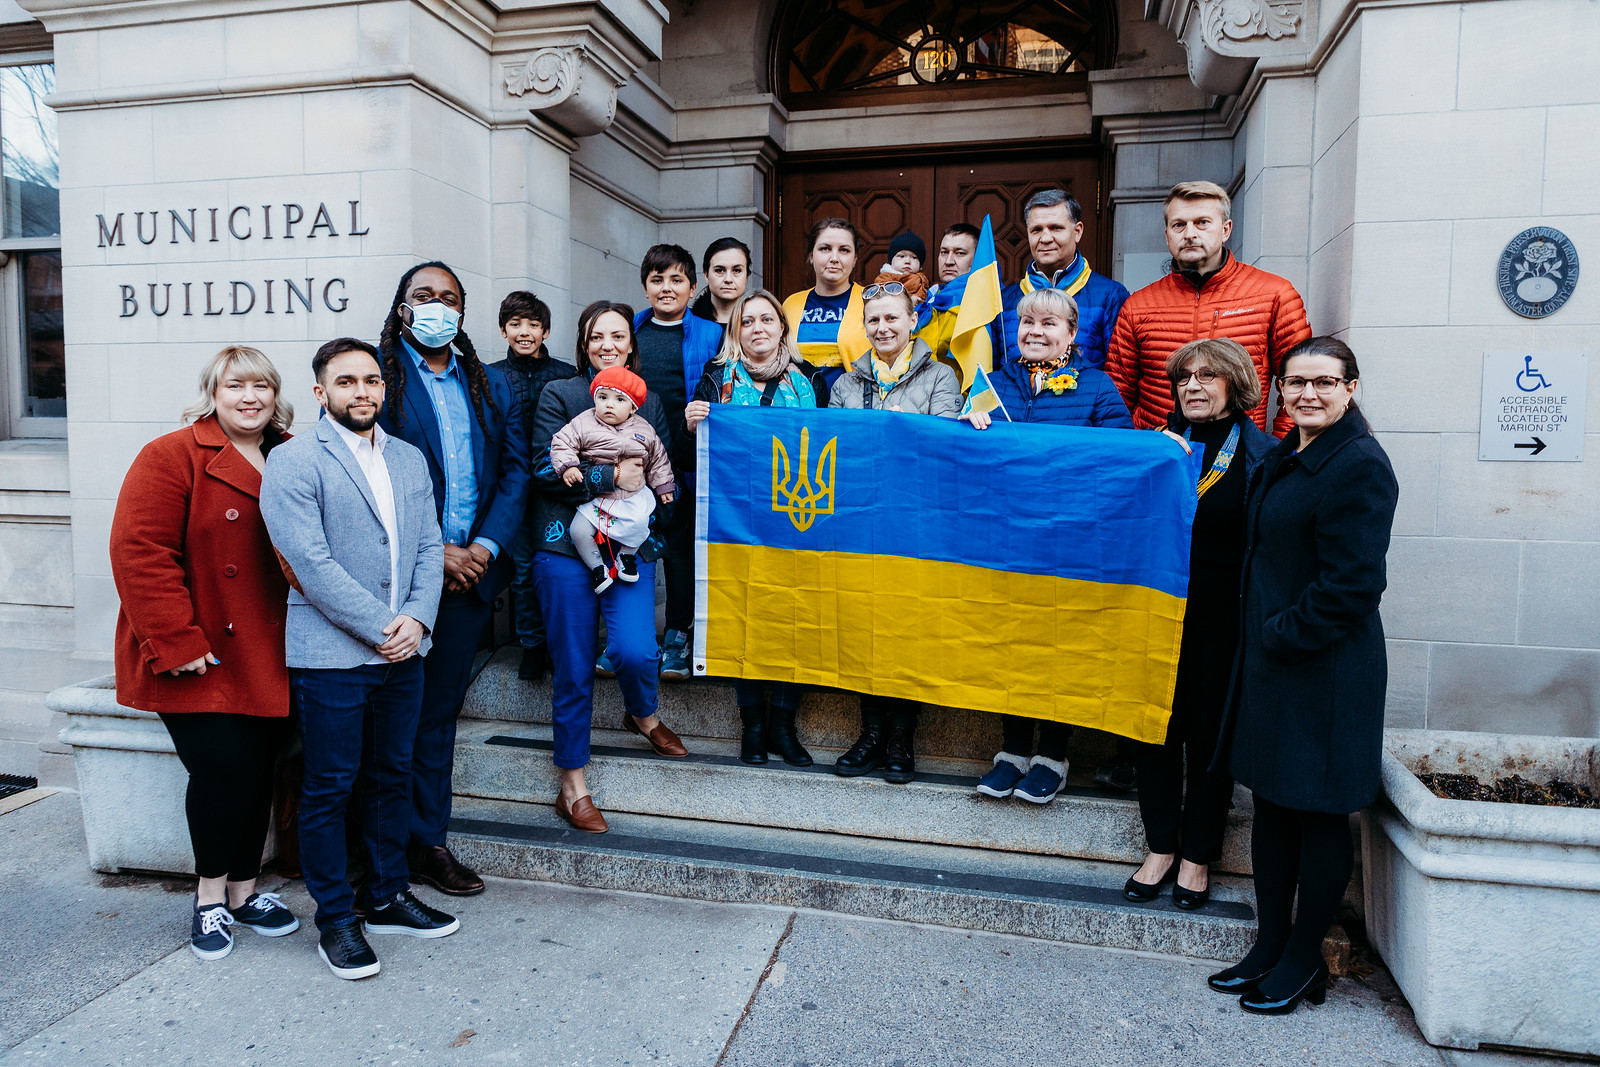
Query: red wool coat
[1261, 311]
[197, 574]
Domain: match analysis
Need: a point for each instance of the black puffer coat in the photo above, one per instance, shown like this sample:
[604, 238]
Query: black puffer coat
[1305, 711]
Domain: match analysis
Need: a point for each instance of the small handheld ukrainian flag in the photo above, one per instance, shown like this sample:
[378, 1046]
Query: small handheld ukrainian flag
[982, 397]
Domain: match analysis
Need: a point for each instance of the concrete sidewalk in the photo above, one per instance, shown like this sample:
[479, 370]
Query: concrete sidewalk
[544, 974]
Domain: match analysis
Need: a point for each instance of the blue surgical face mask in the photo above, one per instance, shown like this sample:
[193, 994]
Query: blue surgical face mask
[433, 324]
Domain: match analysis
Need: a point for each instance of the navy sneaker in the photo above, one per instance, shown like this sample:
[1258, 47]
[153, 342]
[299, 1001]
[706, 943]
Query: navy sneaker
[346, 952]
[1044, 780]
[405, 914]
[266, 915]
[209, 935]
[675, 656]
[1003, 778]
[604, 667]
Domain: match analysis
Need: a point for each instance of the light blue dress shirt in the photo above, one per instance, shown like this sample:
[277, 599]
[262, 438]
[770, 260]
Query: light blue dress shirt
[452, 410]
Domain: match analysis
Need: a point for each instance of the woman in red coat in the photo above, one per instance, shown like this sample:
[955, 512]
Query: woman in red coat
[200, 633]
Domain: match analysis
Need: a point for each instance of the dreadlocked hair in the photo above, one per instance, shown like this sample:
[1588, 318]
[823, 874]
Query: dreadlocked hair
[394, 361]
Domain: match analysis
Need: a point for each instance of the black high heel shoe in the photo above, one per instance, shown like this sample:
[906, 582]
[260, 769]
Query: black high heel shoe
[1140, 893]
[1235, 982]
[1315, 990]
[1191, 899]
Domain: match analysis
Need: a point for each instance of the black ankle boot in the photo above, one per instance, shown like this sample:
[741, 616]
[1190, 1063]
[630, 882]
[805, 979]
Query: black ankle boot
[753, 737]
[899, 761]
[864, 756]
[782, 740]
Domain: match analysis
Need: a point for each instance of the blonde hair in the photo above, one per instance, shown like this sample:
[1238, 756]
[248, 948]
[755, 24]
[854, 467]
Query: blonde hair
[1230, 360]
[1199, 191]
[247, 364]
[1050, 302]
[732, 351]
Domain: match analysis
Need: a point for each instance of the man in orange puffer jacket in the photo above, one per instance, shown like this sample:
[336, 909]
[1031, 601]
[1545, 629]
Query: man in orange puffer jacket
[1208, 294]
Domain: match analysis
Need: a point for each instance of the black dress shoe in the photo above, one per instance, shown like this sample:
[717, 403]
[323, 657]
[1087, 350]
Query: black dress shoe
[1141, 893]
[1314, 989]
[864, 756]
[535, 661]
[1235, 981]
[435, 865]
[1119, 777]
[1191, 899]
[752, 735]
[782, 739]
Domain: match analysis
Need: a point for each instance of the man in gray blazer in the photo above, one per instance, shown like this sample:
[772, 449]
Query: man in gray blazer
[351, 511]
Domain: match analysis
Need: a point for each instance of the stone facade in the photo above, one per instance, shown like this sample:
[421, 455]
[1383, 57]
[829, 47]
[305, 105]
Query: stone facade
[1380, 157]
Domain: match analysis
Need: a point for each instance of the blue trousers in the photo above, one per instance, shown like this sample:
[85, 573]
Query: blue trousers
[446, 673]
[572, 616]
[356, 722]
[527, 621]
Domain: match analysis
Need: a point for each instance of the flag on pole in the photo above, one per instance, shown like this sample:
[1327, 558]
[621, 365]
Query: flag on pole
[982, 398]
[961, 310]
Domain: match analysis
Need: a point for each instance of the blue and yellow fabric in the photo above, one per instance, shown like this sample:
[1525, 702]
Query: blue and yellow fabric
[1099, 301]
[1033, 570]
[956, 320]
[829, 347]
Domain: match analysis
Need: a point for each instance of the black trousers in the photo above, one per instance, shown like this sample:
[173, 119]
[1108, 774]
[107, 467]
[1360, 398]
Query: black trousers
[1302, 857]
[896, 712]
[1017, 731]
[230, 760]
[1184, 812]
[678, 563]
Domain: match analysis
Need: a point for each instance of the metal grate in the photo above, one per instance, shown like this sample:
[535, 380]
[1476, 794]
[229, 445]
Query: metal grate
[11, 784]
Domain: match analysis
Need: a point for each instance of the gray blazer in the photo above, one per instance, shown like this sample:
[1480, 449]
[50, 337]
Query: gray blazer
[321, 516]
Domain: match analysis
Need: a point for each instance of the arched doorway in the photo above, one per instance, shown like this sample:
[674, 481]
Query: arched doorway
[861, 53]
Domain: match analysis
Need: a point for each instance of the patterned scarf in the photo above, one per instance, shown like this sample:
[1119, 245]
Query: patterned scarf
[741, 389]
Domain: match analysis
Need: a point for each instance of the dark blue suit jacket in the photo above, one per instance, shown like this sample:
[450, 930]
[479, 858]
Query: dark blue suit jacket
[504, 469]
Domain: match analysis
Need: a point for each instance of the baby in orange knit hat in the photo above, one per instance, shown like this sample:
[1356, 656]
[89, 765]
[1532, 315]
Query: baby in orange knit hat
[612, 432]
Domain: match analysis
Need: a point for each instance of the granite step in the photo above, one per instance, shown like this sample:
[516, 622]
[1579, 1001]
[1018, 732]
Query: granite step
[828, 718]
[1060, 899]
[512, 761]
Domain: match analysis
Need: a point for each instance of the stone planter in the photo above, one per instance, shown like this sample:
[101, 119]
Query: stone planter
[130, 780]
[1488, 914]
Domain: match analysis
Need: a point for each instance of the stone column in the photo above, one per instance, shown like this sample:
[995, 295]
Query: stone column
[263, 173]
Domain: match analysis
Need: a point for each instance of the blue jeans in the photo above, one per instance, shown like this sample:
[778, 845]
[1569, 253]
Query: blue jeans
[446, 674]
[572, 614]
[785, 695]
[360, 721]
[527, 621]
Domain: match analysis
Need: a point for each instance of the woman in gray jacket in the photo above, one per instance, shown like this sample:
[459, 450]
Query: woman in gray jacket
[897, 374]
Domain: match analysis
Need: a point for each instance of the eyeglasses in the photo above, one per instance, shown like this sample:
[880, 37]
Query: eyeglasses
[1205, 376]
[1324, 385]
[886, 289]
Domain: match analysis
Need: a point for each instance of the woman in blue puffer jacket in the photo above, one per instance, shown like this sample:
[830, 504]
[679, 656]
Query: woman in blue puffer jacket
[1049, 383]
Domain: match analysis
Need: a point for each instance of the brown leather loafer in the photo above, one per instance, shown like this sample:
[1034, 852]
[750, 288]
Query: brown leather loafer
[582, 815]
[663, 740]
[435, 865]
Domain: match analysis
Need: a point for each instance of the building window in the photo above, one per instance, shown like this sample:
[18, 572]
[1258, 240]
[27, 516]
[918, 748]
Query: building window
[35, 382]
[829, 51]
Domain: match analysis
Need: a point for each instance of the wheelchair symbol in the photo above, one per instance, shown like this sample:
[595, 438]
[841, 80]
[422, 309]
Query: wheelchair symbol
[1535, 380]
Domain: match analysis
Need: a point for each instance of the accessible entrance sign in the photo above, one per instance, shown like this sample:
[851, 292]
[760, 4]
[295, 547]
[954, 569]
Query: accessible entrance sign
[1533, 406]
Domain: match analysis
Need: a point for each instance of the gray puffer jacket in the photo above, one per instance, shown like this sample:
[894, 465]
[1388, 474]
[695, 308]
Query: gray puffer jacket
[927, 388]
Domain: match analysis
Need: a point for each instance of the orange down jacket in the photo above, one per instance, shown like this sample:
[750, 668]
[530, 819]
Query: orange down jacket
[1259, 310]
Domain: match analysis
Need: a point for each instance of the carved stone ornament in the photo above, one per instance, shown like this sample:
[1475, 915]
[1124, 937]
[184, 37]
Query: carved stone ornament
[567, 86]
[1244, 20]
[1225, 38]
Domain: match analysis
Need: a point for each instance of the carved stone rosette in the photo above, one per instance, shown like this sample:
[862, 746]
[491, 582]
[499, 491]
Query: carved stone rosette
[1225, 38]
[566, 85]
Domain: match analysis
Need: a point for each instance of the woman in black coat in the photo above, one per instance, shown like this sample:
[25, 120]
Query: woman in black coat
[1305, 713]
[1214, 388]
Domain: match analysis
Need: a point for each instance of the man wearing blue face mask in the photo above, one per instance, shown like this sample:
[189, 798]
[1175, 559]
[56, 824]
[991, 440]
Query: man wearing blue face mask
[465, 419]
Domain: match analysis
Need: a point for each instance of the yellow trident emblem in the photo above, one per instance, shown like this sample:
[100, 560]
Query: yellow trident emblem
[802, 500]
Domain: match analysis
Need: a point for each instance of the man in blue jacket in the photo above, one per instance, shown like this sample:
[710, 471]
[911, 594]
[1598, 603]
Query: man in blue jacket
[1055, 226]
[674, 348]
[465, 419]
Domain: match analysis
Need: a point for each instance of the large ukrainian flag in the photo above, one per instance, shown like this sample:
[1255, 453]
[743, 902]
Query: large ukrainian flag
[1029, 569]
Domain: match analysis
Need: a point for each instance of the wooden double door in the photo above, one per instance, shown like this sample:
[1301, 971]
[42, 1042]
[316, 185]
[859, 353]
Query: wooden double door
[883, 199]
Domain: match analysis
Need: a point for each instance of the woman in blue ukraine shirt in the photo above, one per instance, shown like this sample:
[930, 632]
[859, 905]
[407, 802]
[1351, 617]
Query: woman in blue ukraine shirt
[759, 367]
[1049, 383]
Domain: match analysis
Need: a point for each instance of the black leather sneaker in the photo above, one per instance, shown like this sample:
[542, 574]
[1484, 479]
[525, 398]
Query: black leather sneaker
[346, 952]
[405, 914]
